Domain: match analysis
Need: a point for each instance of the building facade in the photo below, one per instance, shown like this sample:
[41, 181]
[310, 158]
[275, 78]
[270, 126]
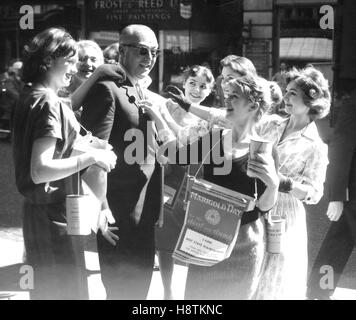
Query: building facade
[189, 32]
[16, 27]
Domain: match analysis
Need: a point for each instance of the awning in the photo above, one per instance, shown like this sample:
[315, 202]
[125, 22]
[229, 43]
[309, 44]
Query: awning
[311, 49]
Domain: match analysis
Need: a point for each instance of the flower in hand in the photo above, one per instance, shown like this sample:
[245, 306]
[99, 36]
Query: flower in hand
[149, 108]
[178, 96]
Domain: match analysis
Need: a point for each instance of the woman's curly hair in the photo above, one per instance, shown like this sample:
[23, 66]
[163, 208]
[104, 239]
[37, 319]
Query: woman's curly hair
[48, 45]
[242, 65]
[315, 88]
[257, 90]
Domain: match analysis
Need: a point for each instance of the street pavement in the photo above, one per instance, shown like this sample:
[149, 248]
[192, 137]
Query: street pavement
[11, 244]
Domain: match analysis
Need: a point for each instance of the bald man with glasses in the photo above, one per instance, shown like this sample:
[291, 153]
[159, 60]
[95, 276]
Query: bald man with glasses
[143, 50]
[110, 112]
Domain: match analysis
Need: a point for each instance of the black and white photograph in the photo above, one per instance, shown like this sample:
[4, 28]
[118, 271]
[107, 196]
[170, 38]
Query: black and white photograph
[177, 154]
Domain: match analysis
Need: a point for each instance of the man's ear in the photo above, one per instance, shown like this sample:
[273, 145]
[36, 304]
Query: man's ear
[121, 50]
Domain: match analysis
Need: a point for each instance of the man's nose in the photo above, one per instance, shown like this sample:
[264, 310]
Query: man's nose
[149, 55]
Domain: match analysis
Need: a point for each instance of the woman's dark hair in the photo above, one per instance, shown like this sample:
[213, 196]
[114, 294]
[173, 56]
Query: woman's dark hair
[196, 70]
[315, 88]
[48, 45]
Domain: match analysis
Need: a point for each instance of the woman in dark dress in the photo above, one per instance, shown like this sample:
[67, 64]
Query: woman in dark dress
[45, 129]
[236, 277]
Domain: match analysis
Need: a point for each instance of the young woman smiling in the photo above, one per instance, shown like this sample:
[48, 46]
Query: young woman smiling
[236, 277]
[302, 167]
[45, 129]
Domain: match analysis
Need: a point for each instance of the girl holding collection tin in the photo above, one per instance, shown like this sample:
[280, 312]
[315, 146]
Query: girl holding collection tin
[236, 277]
[45, 129]
[302, 167]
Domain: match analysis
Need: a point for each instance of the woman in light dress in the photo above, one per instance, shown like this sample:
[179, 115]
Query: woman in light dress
[302, 167]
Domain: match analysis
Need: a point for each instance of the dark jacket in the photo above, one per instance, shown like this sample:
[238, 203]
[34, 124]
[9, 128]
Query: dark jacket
[341, 172]
[109, 112]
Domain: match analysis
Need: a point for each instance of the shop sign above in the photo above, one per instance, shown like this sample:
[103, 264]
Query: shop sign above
[110, 14]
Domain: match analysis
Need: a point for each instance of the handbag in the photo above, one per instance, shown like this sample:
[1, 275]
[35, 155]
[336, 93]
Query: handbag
[212, 221]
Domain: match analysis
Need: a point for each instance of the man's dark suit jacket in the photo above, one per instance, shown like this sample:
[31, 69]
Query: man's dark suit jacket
[340, 239]
[341, 172]
[109, 111]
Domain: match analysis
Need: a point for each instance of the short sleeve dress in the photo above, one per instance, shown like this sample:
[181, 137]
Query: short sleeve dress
[57, 259]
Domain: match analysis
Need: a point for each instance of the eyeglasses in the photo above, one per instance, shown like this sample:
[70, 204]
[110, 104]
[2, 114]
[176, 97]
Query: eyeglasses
[143, 50]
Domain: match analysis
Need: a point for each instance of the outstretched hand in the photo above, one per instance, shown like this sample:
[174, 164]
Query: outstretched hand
[147, 106]
[111, 71]
[178, 96]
